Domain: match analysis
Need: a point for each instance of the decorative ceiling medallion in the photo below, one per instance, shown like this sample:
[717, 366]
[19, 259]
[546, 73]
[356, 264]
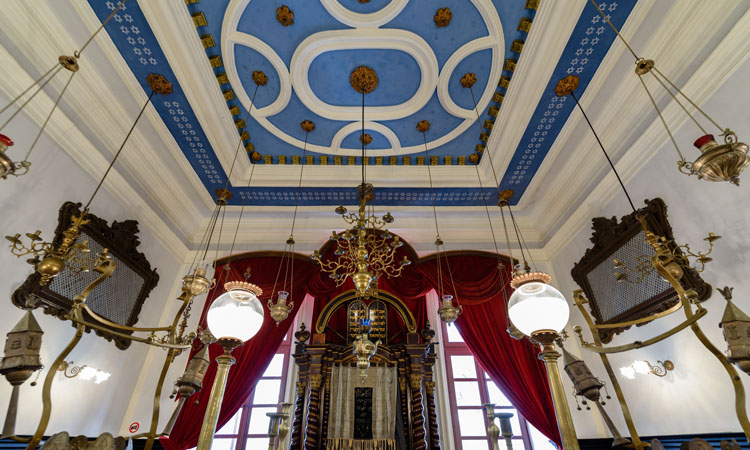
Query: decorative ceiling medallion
[363, 79]
[566, 86]
[443, 17]
[159, 84]
[468, 80]
[423, 126]
[362, 2]
[365, 139]
[307, 126]
[260, 78]
[284, 15]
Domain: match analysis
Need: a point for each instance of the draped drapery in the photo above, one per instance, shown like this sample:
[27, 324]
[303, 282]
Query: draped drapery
[511, 364]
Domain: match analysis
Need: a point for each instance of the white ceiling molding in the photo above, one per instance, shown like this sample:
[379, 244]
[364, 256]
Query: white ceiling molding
[723, 61]
[346, 130]
[358, 20]
[553, 24]
[64, 132]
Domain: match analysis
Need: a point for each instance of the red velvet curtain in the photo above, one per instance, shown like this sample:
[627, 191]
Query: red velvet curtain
[511, 364]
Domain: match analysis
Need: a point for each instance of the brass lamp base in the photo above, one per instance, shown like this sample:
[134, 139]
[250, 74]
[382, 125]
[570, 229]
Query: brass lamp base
[717, 162]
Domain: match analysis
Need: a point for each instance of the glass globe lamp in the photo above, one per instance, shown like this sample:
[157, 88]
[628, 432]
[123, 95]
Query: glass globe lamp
[535, 306]
[237, 314]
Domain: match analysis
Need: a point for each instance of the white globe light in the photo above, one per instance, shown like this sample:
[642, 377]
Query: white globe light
[236, 314]
[537, 306]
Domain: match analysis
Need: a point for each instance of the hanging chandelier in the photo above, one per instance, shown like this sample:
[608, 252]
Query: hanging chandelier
[366, 251]
[363, 348]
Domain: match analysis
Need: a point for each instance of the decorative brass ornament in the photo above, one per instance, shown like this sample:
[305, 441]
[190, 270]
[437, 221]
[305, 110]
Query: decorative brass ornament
[503, 198]
[521, 277]
[566, 86]
[505, 429]
[736, 326]
[468, 80]
[284, 15]
[243, 286]
[7, 165]
[364, 349]
[443, 17]
[260, 78]
[723, 162]
[255, 156]
[281, 309]
[365, 138]
[447, 312]
[474, 158]
[363, 79]
[362, 2]
[307, 126]
[423, 126]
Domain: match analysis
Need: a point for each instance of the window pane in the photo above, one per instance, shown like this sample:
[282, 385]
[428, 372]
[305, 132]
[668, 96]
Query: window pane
[540, 441]
[463, 366]
[467, 393]
[453, 334]
[267, 392]
[259, 420]
[233, 426]
[475, 444]
[256, 443]
[275, 367]
[471, 422]
[224, 444]
[496, 395]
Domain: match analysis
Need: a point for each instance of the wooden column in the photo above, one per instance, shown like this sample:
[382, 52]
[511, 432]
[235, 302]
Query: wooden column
[432, 416]
[326, 406]
[417, 412]
[404, 396]
[299, 409]
[312, 431]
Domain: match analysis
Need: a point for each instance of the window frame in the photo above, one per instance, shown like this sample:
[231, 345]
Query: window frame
[482, 378]
[240, 438]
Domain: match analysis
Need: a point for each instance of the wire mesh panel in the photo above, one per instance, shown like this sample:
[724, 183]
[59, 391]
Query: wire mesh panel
[115, 298]
[614, 299]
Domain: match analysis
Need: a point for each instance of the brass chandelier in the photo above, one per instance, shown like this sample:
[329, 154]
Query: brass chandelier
[366, 251]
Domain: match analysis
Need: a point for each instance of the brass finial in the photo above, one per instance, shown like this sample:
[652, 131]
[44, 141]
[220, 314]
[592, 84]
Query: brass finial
[260, 78]
[284, 15]
[566, 86]
[363, 79]
[423, 126]
[307, 125]
[159, 84]
[474, 158]
[365, 139]
[443, 17]
[468, 80]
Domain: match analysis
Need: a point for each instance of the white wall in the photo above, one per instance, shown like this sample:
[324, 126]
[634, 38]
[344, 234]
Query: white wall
[30, 203]
[697, 397]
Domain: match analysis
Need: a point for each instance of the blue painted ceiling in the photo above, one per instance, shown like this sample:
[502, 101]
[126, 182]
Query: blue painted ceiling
[408, 52]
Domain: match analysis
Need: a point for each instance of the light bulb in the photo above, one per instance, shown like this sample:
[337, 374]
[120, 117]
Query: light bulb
[236, 314]
[536, 306]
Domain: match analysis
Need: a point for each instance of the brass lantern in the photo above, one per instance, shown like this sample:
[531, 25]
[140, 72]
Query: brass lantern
[190, 382]
[720, 162]
[280, 310]
[449, 313]
[20, 360]
[22, 347]
[736, 326]
[363, 348]
[7, 166]
[589, 386]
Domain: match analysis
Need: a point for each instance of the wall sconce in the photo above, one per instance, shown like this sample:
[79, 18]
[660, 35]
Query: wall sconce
[644, 368]
[85, 372]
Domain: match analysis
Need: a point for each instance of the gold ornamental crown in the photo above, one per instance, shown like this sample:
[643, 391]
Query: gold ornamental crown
[243, 286]
[529, 277]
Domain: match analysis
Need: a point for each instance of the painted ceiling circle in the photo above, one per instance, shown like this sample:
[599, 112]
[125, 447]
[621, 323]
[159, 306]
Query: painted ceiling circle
[311, 74]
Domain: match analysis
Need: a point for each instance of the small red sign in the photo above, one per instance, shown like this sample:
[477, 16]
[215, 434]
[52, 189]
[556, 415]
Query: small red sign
[134, 427]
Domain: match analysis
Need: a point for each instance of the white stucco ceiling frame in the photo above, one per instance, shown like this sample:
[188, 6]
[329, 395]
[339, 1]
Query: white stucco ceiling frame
[364, 37]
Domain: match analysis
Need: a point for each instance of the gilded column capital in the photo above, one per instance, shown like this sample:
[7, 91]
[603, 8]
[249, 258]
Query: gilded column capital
[301, 387]
[430, 385]
[415, 381]
[316, 380]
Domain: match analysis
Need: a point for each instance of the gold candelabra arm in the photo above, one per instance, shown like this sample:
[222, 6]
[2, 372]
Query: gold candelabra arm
[36, 247]
[701, 258]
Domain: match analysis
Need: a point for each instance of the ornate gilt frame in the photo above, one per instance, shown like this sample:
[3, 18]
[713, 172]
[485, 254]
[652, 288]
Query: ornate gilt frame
[611, 234]
[121, 238]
